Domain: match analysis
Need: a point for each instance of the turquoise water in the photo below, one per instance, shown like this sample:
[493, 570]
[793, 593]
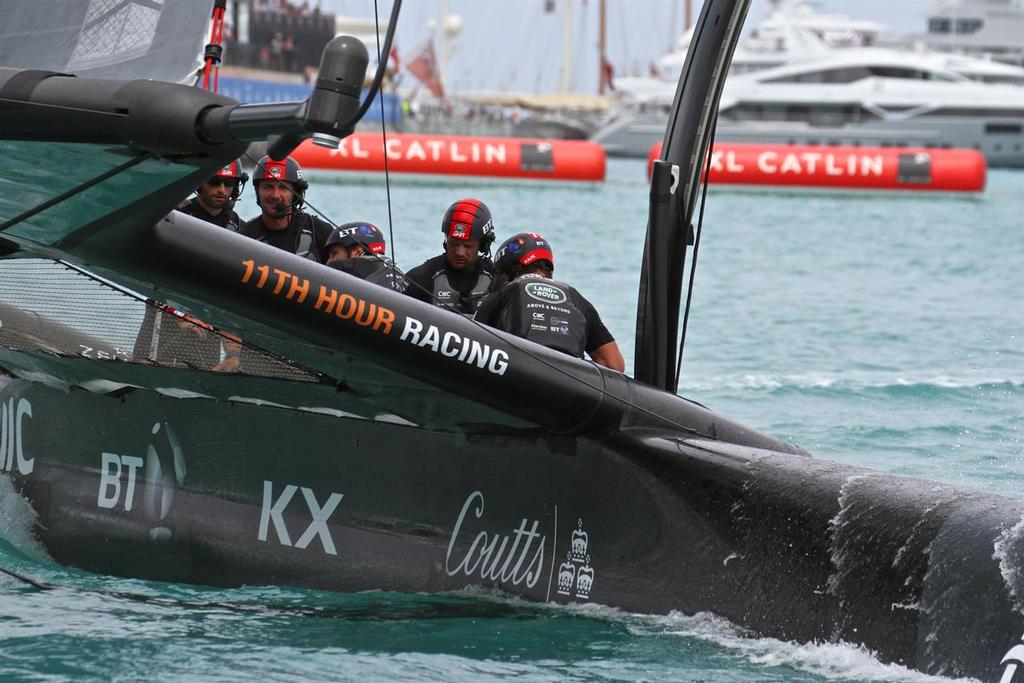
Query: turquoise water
[876, 330]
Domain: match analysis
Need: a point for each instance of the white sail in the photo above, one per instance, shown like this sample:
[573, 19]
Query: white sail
[157, 39]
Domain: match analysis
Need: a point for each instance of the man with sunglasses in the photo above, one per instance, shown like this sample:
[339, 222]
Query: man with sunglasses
[215, 199]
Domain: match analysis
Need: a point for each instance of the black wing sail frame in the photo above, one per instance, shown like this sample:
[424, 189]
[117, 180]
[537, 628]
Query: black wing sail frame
[675, 181]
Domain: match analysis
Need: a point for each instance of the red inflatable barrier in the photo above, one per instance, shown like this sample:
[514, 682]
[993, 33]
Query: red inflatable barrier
[460, 155]
[865, 168]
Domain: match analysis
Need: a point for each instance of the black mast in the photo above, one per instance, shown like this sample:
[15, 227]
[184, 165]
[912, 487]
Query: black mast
[674, 183]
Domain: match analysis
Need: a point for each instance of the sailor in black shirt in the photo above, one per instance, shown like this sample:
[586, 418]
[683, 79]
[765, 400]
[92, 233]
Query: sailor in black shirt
[532, 305]
[358, 249]
[462, 276]
[280, 191]
[215, 199]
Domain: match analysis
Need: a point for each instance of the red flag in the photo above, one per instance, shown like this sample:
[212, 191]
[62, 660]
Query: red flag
[393, 58]
[423, 65]
[607, 75]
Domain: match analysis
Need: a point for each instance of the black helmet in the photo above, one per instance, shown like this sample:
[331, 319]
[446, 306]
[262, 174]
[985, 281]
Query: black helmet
[287, 170]
[469, 219]
[233, 171]
[522, 250]
[351, 234]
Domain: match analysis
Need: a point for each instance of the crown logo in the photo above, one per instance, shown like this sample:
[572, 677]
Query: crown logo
[566, 575]
[584, 581]
[580, 540]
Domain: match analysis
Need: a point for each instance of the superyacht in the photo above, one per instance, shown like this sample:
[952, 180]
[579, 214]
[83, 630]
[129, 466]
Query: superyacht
[798, 83]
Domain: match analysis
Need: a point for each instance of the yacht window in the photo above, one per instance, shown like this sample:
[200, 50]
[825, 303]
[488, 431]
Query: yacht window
[823, 115]
[940, 25]
[968, 25]
[856, 73]
[973, 112]
[1004, 128]
[1006, 80]
[845, 75]
[909, 74]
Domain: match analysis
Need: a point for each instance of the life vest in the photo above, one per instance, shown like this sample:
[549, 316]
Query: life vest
[446, 296]
[542, 310]
[305, 241]
[227, 218]
[380, 270]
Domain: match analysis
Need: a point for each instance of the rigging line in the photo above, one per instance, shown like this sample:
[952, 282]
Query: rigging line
[63, 108]
[75, 190]
[384, 135]
[696, 248]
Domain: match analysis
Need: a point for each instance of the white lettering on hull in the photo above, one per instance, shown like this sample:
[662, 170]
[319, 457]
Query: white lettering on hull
[272, 512]
[453, 345]
[510, 559]
[515, 559]
[12, 436]
[120, 474]
[111, 465]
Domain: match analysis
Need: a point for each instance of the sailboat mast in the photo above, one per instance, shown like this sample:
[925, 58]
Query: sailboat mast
[601, 58]
[442, 67]
[565, 77]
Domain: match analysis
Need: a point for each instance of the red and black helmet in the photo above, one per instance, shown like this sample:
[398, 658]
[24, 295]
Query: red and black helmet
[469, 219]
[521, 251]
[351, 234]
[233, 171]
[287, 170]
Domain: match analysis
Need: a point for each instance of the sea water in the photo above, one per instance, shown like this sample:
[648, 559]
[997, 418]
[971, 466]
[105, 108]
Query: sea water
[877, 330]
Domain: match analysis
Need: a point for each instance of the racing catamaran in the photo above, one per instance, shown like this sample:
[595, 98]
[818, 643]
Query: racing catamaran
[371, 441]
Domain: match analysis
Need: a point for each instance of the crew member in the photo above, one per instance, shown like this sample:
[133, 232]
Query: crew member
[462, 276]
[532, 305]
[280, 193]
[358, 249]
[215, 199]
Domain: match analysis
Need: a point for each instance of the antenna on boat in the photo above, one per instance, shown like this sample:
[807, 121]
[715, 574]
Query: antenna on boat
[675, 179]
[381, 55]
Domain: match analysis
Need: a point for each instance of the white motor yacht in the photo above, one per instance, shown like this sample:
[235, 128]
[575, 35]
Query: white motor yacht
[809, 92]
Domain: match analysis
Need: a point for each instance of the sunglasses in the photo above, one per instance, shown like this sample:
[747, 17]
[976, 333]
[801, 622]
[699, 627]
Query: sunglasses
[230, 183]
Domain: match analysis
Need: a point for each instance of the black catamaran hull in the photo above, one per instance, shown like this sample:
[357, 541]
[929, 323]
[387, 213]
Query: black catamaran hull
[392, 445]
[228, 493]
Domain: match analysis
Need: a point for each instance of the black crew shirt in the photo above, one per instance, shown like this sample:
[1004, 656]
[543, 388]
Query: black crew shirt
[421, 278]
[227, 218]
[598, 335]
[288, 239]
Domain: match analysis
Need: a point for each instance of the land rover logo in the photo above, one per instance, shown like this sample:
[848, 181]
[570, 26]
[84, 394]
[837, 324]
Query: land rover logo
[546, 293]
